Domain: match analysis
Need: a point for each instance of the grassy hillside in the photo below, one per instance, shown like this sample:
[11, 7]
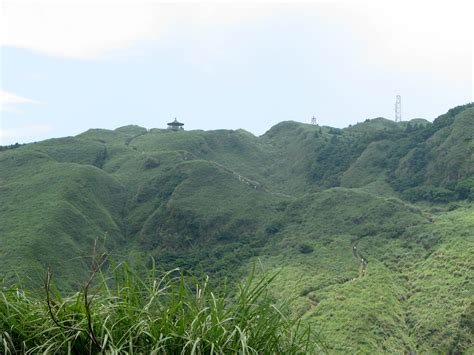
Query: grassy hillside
[440, 299]
[369, 226]
[316, 255]
[52, 212]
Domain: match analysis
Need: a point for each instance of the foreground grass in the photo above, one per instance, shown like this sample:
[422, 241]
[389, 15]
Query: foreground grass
[166, 313]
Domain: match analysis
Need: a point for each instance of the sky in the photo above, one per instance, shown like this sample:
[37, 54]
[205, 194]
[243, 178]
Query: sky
[69, 66]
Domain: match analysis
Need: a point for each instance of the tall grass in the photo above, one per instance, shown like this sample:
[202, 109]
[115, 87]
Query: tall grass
[157, 313]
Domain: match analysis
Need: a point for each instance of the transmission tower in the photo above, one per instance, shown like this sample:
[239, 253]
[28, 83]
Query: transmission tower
[398, 109]
[313, 120]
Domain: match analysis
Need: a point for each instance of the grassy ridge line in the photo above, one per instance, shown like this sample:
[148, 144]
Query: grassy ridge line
[236, 150]
[313, 250]
[418, 293]
[197, 215]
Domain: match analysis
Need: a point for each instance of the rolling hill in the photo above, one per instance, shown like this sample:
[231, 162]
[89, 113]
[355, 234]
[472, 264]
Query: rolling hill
[370, 226]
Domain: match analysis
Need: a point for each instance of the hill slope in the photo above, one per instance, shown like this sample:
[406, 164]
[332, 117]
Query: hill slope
[370, 226]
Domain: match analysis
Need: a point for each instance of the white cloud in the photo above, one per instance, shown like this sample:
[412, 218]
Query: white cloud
[405, 36]
[88, 30]
[9, 102]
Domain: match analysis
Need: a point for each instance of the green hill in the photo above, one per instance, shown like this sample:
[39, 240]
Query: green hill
[370, 226]
[52, 212]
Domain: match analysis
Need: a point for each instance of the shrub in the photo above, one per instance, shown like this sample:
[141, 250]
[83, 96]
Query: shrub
[151, 163]
[465, 189]
[429, 193]
[166, 313]
[305, 248]
[273, 228]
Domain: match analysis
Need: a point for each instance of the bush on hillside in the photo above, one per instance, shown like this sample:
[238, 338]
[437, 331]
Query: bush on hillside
[274, 227]
[465, 189]
[305, 248]
[166, 313]
[11, 146]
[429, 193]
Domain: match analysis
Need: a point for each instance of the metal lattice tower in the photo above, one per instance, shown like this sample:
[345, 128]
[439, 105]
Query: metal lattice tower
[398, 109]
[313, 120]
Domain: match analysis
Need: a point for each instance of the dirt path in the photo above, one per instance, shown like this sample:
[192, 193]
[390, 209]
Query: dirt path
[363, 262]
[256, 185]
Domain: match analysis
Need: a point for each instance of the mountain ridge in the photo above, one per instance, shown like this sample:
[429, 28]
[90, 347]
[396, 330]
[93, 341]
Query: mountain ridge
[297, 199]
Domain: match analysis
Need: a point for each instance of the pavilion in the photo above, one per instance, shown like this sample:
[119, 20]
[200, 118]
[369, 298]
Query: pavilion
[175, 125]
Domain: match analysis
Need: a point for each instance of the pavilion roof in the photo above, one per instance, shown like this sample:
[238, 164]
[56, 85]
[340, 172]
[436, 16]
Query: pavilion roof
[175, 123]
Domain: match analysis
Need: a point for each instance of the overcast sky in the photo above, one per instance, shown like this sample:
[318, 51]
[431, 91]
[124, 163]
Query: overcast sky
[69, 66]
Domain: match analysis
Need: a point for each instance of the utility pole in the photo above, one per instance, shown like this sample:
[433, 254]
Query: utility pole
[313, 120]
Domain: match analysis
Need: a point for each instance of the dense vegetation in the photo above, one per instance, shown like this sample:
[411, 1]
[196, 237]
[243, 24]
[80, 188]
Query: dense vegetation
[159, 313]
[11, 146]
[370, 226]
